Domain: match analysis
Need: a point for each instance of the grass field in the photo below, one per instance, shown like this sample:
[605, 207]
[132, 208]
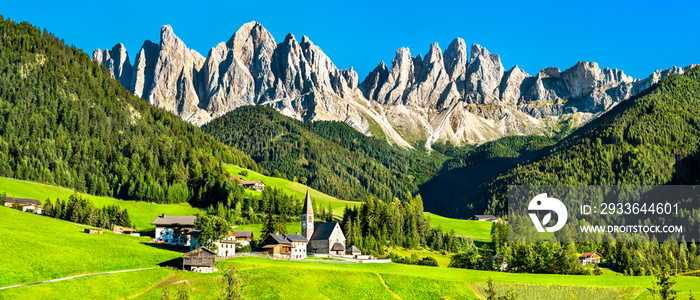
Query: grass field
[477, 230]
[295, 189]
[37, 248]
[141, 213]
[272, 279]
[442, 259]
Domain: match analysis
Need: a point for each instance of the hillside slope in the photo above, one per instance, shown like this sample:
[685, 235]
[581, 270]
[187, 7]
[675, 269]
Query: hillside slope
[652, 139]
[334, 158]
[65, 121]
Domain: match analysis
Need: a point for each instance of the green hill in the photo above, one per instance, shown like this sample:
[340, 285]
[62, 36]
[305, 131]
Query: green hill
[651, 139]
[477, 230]
[39, 248]
[141, 213]
[65, 121]
[332, 156]
[295, 189]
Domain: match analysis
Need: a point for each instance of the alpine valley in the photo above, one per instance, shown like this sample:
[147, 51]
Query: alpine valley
[462, 95]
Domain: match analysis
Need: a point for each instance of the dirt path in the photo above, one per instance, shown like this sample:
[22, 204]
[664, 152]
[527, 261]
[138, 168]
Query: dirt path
[150, 287]
[73, 277]
[381, 278]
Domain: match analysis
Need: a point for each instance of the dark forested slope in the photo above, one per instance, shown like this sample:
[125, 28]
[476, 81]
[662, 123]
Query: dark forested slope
[333, 157]
[65, 121]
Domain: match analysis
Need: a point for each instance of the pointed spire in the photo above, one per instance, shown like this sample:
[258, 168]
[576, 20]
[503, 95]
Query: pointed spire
[308, 207]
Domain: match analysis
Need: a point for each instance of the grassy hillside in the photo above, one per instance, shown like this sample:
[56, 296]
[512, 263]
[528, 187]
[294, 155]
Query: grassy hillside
[141, 213]
[270, 279]
[335, 158]
[295, 189]
[38, 248]
[477, 230]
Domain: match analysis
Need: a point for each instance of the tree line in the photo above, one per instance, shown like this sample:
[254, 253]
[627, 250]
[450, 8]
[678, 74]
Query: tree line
[81, 210]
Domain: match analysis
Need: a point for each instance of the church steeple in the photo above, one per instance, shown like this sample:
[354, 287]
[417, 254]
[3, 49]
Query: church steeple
[307, 218]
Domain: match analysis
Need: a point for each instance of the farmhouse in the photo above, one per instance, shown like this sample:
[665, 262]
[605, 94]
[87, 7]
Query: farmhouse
[590, 258]
[93, 231]
[173, 230]
[200, 260]
[487, 218]
[256, 185]
[225, 247]
[125, 230]
[285, 246]
[27, 204]
[324, 238]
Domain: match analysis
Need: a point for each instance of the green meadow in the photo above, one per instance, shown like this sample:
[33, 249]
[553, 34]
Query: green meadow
[37, 248]
[477, 230]
[141, 213]
[295, 189]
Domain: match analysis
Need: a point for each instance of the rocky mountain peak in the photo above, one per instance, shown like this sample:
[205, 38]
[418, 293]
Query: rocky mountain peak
[117, 62]
[456, 60]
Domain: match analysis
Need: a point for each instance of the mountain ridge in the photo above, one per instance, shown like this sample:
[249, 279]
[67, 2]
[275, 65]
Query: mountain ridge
[457, 95]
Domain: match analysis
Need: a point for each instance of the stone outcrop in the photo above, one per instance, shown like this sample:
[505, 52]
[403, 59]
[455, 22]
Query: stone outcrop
[455, 95]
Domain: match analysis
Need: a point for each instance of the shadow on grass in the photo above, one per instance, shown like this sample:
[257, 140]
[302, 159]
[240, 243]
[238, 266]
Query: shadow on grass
[182, 249]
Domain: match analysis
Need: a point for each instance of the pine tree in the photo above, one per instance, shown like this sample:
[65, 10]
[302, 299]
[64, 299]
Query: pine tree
[232, 285]
[490, 290]
[269, 225]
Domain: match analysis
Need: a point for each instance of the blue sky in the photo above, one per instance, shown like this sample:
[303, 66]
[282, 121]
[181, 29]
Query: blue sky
[635, 36]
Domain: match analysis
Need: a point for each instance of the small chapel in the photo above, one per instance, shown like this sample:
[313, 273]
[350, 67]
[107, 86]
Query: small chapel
[324, 238]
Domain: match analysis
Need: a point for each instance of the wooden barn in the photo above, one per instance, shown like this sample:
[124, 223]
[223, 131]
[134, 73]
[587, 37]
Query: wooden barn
[93, 231]
[200, 260]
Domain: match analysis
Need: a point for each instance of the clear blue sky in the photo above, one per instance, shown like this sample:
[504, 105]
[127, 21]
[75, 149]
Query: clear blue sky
[635, 36]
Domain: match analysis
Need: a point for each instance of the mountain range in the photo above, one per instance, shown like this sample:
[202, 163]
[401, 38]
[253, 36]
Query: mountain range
[455, 96]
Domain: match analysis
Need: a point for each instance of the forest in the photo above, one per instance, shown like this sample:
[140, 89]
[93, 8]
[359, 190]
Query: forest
[334, 158]
[65, 121]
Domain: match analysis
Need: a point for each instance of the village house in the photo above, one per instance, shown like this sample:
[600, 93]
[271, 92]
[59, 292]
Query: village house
[199, 260]
[93, 231]
[173, 230]
[486, 218]
[324, 238]
[285, 246]
[125, 230]
[225, 247]
[256, 185]
[27, 204]
[589, 258]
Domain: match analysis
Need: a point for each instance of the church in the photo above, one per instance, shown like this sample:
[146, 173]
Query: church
[324, 238]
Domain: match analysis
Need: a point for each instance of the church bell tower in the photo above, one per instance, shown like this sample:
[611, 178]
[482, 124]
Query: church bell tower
[307, 218]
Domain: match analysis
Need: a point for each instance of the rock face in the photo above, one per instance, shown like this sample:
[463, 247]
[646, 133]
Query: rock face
[117, 62]
[455, 96]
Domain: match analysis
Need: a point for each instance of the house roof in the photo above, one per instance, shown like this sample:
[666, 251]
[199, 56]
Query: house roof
[194, 233]
[295, 238]
[308, 206]
[588, 254]
[485, 217]
[122, 228]
[199, 250]
[244, 233]
[323, 231]
[22, 201]
[352, 249]
[164, 220]
[337, 247]
[251, 182]
[274, 238]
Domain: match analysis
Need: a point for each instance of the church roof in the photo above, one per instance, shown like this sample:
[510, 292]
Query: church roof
[323, 231]
[308, 207]
[295, 238]
[337, 247]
